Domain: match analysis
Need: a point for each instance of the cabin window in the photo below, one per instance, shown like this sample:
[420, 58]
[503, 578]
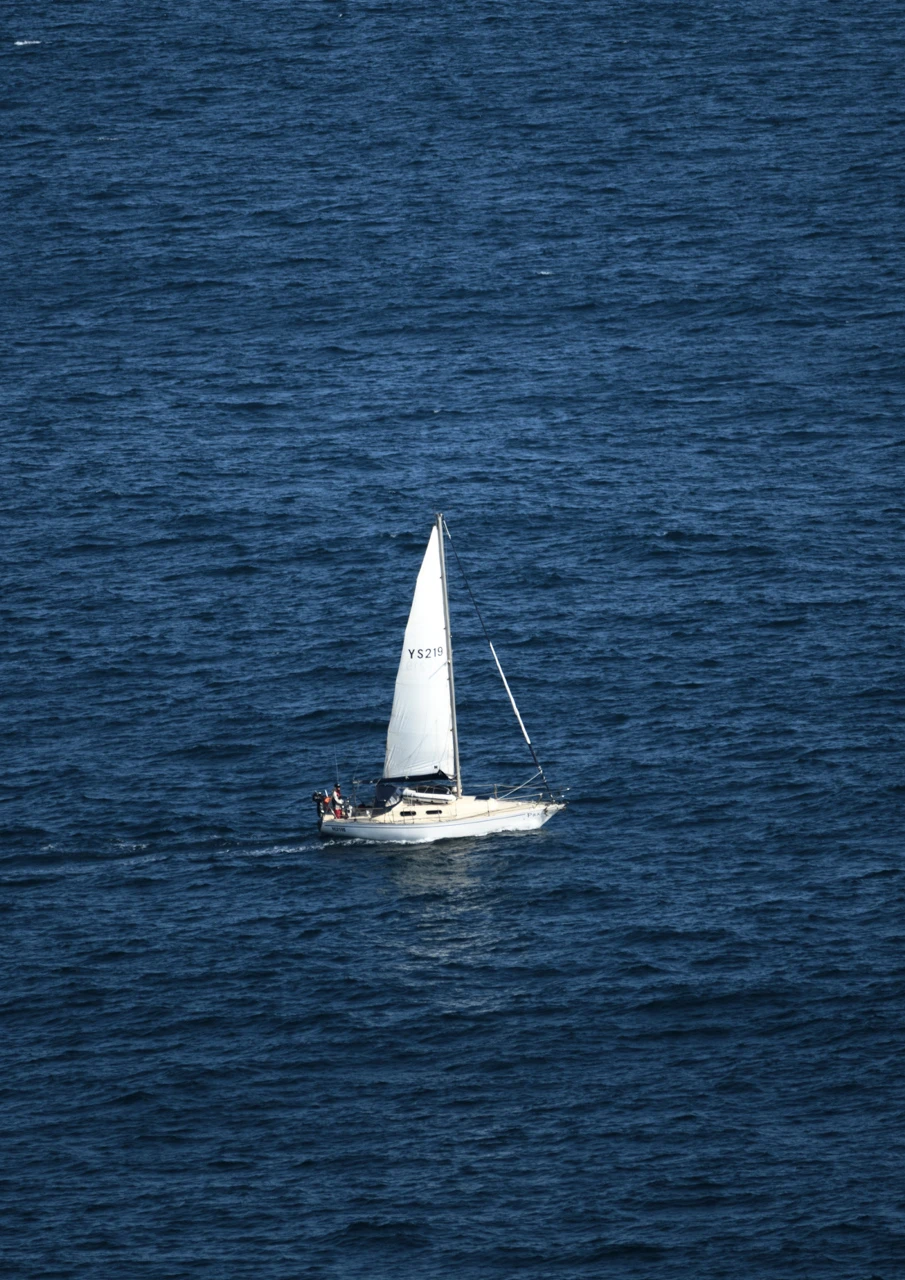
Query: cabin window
[406, 813]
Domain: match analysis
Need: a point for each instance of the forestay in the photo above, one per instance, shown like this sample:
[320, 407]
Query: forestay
[420, 734]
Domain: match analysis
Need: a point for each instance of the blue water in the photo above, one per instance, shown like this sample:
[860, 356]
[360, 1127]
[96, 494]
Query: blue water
[619, 288]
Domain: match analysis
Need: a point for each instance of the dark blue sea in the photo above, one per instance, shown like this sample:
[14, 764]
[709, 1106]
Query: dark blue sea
[620, 289]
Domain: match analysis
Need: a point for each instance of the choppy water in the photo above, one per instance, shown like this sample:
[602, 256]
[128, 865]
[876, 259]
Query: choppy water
[619, 289]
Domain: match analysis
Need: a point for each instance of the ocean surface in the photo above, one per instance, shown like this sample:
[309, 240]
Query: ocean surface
[620, 289]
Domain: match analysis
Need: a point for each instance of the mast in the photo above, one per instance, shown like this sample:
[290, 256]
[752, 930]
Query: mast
[449, 658]
[540, 767]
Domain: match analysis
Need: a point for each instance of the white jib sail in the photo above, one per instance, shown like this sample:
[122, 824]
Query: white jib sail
[420, 737]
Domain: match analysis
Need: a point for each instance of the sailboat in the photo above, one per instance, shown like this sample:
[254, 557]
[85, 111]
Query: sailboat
[420, 797]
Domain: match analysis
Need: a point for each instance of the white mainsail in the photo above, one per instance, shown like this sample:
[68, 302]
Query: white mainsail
[420, 733]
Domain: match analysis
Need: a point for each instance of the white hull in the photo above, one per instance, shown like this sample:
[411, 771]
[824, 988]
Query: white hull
[468, 816]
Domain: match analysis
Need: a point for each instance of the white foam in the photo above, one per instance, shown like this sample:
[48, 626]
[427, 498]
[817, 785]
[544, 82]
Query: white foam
[279, 848]
[21, 42]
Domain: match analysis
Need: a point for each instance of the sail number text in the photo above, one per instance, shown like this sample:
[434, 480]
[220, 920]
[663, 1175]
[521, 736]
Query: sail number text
[427, 653]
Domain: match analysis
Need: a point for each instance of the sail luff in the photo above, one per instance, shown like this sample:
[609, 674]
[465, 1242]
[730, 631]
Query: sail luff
[449, 656]
[509, 691]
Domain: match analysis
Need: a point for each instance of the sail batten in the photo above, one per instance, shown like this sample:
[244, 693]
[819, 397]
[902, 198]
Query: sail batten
[420, 733]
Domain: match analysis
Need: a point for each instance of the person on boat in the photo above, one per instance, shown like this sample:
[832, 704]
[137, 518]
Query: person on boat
[337, 801]
[321, 799]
